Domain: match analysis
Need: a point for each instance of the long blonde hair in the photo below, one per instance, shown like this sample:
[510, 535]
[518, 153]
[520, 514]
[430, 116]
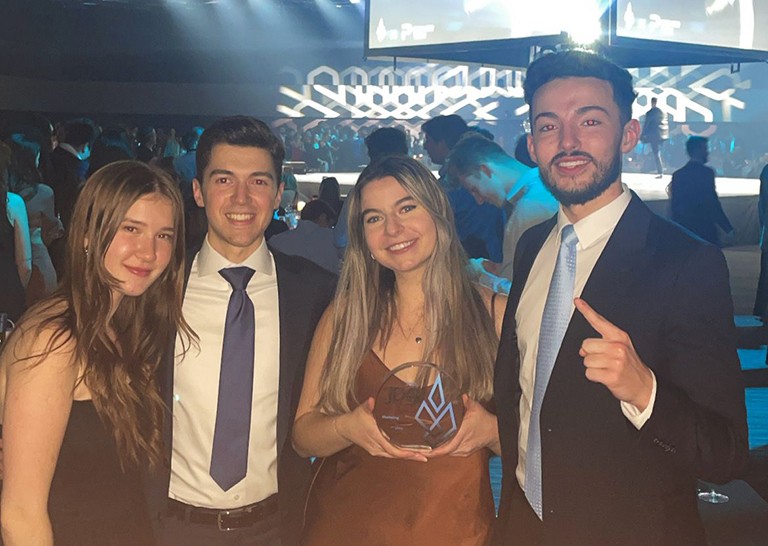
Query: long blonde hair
[121, 373]
[463, 339]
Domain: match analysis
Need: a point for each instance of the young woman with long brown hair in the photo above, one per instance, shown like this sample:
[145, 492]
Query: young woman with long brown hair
[404, 295]
[81, 407]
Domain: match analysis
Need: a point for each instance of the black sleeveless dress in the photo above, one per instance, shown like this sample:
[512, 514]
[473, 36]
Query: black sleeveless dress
[92, 501]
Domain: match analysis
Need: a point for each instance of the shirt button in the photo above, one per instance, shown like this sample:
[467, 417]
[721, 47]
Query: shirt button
[549, 429]
[237, 497]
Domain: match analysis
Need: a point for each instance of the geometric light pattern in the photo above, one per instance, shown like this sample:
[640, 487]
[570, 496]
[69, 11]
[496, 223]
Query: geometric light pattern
[421, 91]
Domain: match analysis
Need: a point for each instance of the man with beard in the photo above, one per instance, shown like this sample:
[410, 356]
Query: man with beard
[617, 380]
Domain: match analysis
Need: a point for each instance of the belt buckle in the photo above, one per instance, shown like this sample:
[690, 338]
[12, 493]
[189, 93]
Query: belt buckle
[220, 522]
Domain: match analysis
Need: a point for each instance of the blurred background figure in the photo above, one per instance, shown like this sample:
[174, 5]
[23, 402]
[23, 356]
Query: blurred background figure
[492, 176]
[312, 238]
[761, 297]
[480, 227]
[655, 132]
[146, 142]
[113, 144]
[693, 198]
[15, 245]
[44, 226]
[330, 193]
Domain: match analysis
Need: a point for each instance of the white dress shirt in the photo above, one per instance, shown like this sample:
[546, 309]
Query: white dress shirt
[593, 233]
[196, 384]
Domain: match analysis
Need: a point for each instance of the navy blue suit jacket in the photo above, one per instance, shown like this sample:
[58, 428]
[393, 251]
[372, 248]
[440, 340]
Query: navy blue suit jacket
[603, 481]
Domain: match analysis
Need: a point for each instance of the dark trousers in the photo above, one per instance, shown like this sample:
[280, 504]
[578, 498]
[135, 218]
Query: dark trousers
[522, 527]
[171, 531]
[656, 149]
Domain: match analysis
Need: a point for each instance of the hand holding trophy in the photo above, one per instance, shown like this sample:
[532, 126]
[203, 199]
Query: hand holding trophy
[418, 406]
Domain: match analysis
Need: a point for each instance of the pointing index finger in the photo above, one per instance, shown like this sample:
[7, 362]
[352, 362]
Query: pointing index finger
[602, 325]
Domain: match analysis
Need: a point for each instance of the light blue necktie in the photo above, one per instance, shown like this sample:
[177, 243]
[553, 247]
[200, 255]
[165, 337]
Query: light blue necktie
[229, 457]
[554, 322]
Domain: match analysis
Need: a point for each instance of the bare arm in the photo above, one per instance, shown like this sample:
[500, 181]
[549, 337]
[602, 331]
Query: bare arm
[38, 400]
[320, 435]
[17, 213]
[479, 428]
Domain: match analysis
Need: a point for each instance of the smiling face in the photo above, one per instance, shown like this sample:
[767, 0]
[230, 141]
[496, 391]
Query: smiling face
[577, 140]
[399, 232]
[142, 247]
[239, 191]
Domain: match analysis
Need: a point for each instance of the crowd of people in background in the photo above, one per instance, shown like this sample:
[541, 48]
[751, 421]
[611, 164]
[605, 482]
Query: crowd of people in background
[45, 164]
[154, 353]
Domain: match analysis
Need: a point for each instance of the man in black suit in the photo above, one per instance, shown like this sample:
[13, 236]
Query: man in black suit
[642, 393]
[693, 197]
[239, 162]
[655, 132]
[68, 166]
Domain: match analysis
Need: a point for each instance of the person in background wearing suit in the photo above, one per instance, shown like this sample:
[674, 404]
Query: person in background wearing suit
[617, 382]
[234, 476]
[761, 297]
[693, 197]
[69, 166]
[655, 132]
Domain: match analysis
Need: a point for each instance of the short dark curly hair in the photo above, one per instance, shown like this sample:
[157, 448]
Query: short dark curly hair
[577, 63]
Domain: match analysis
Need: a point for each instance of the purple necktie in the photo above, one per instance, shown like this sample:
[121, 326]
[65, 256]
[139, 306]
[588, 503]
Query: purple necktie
[229, 457]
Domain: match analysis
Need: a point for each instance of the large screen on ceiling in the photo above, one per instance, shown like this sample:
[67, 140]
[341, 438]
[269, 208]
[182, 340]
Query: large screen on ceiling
[736, 24]
[408, 23]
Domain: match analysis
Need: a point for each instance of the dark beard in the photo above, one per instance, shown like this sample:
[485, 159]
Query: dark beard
[602, 180]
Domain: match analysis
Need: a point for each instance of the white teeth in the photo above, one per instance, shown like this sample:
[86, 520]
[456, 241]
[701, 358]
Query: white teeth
[570, 164]
[239, 217]
[400, 246]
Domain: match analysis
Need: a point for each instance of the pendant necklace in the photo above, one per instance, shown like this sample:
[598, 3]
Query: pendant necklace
[409, 335]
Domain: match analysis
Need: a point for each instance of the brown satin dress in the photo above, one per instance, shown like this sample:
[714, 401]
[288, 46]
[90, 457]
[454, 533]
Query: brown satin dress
[357, 499]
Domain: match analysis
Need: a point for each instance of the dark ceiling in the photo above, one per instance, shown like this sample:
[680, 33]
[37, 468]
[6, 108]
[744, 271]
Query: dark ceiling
[171, 40]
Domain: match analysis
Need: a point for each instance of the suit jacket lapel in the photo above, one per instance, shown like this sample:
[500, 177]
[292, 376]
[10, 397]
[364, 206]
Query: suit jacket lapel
[166, 371]
[528, 249]
[621, 260]
[288, 288]
[607, 288]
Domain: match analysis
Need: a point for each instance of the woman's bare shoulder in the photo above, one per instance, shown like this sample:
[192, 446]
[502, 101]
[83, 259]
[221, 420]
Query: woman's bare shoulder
[41, 334]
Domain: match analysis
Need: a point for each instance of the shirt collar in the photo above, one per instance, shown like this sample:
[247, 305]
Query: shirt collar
[522, 183]
[69, 148]
[209, 261]
[592, 228]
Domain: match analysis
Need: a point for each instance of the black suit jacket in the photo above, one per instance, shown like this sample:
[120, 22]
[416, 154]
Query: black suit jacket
[304, 291]
[694, 202]
[603, 481]
[66, 183]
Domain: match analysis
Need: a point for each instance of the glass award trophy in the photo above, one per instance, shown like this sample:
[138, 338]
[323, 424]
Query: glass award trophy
[418, 406]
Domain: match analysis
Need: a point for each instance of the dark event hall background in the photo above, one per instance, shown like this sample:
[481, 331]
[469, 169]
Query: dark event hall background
[300, 64]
